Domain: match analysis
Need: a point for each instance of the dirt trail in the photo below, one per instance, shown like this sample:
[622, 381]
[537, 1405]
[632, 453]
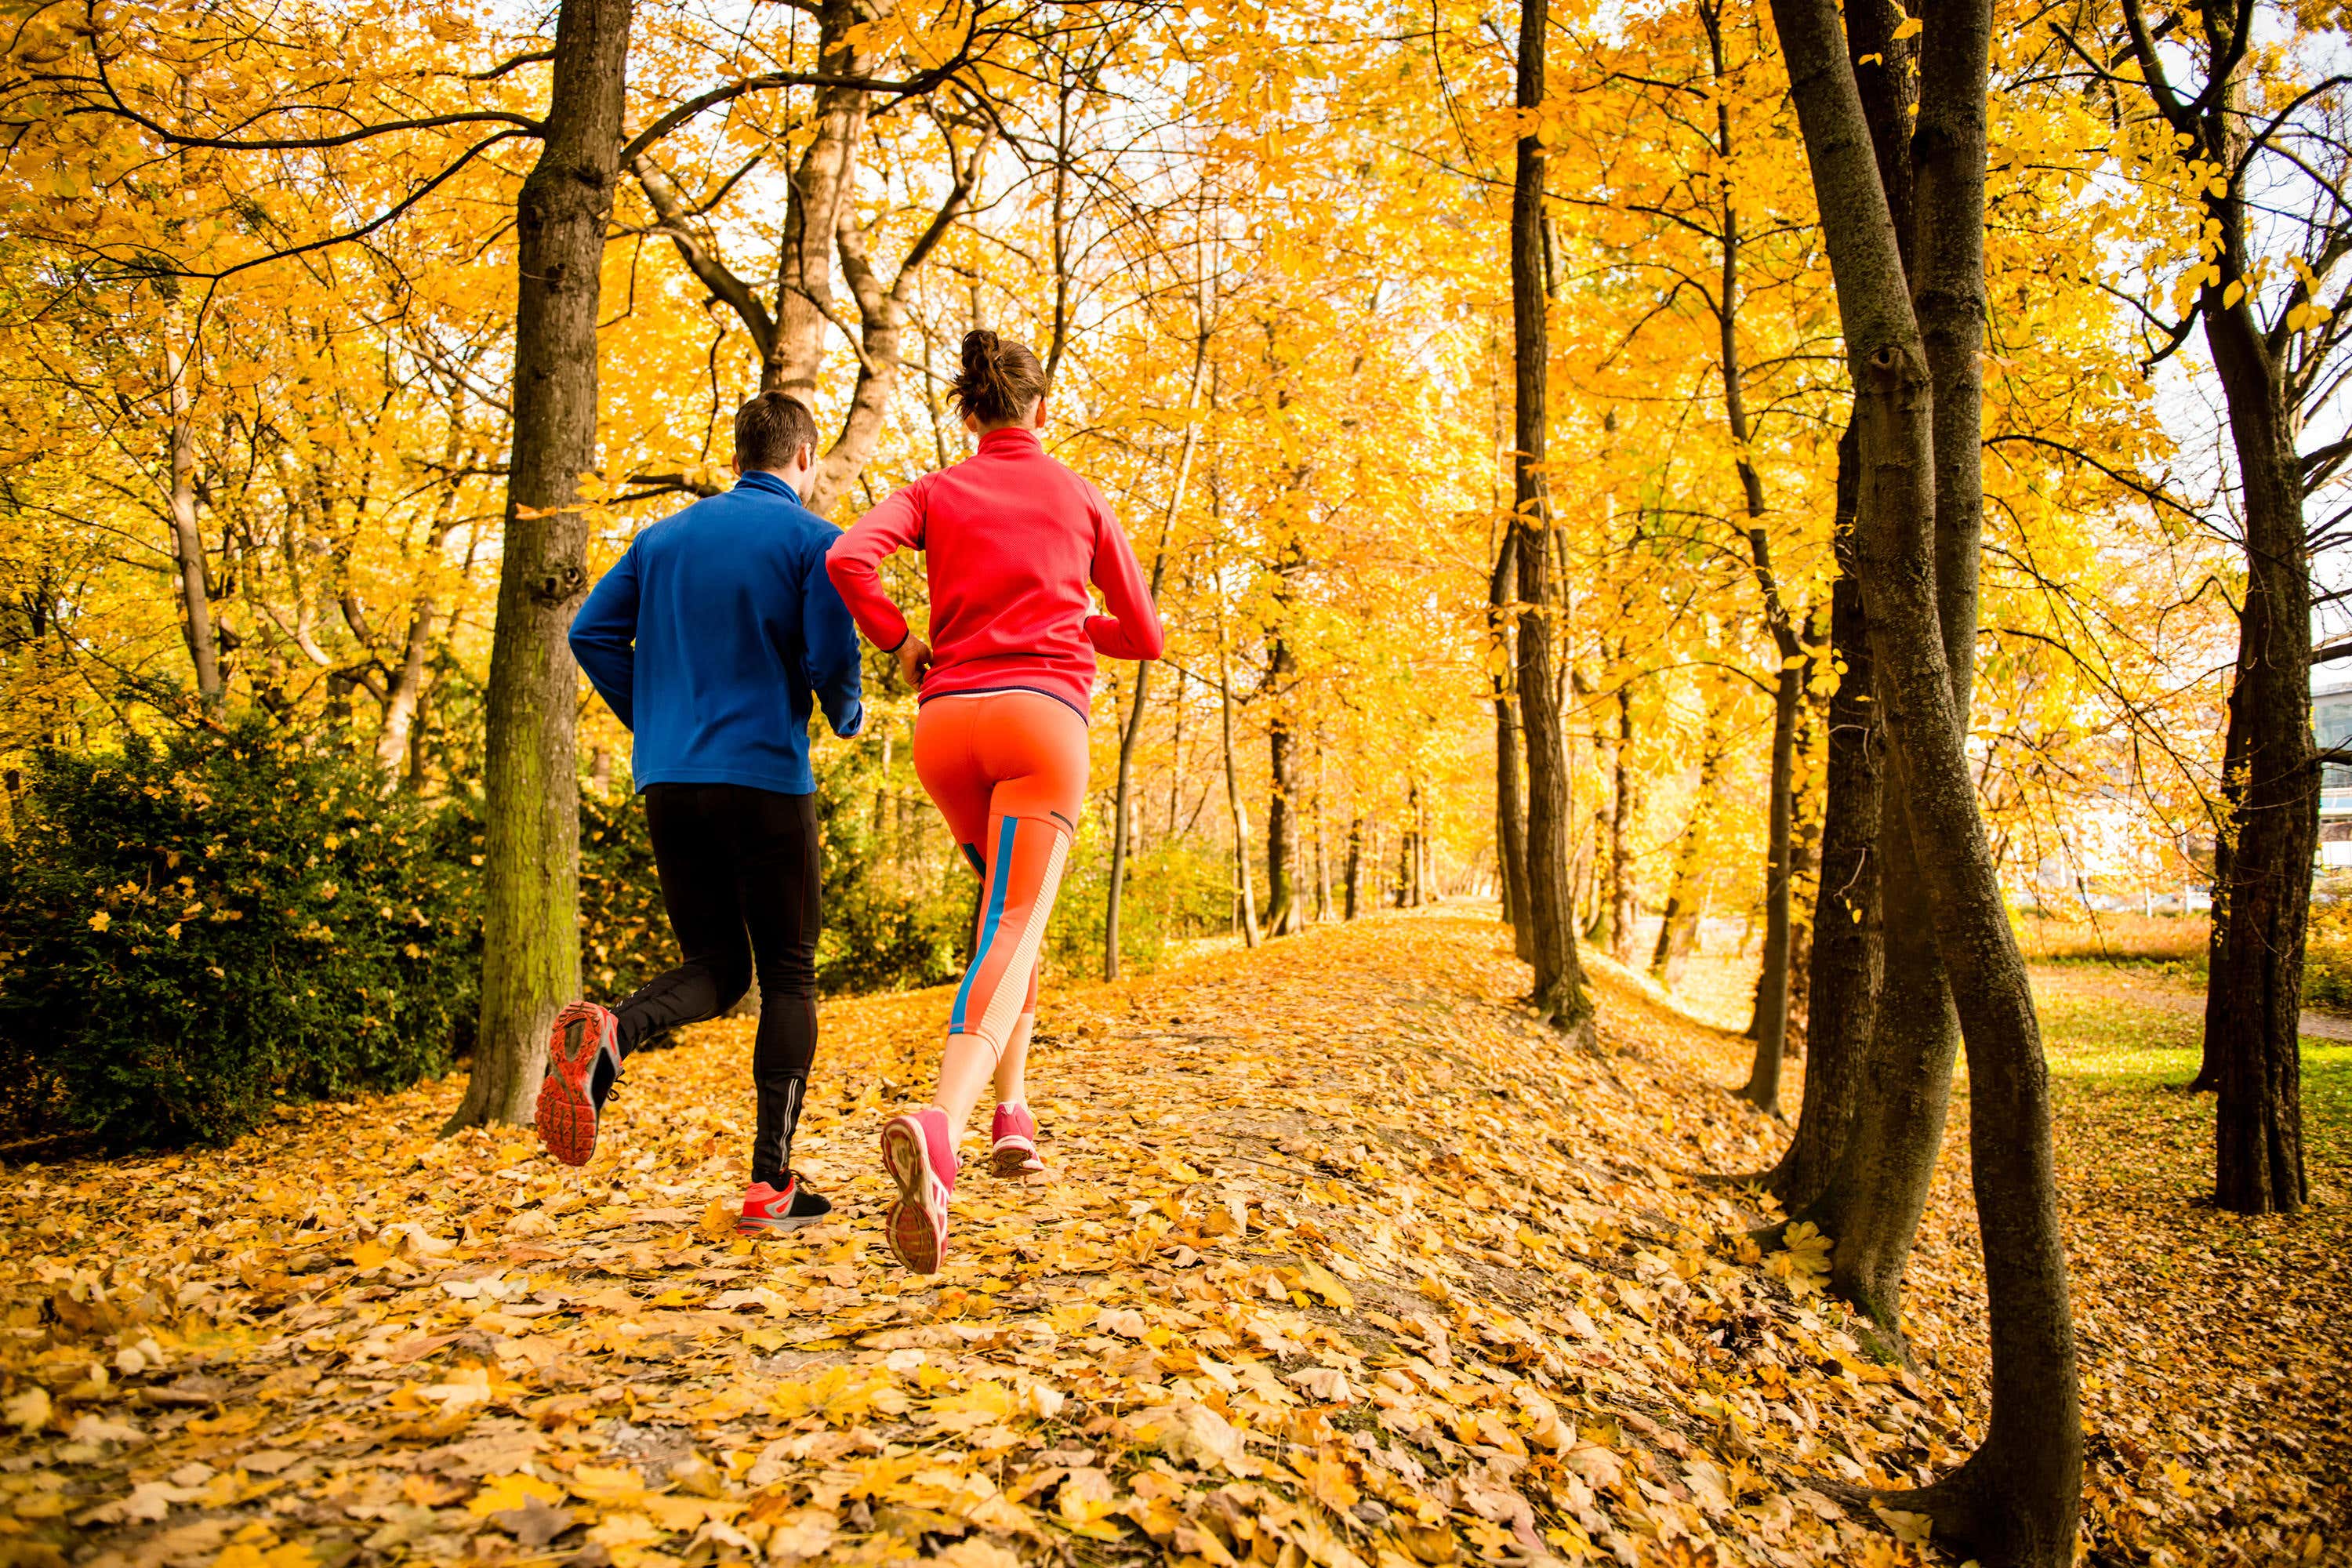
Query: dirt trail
[1347, 1263]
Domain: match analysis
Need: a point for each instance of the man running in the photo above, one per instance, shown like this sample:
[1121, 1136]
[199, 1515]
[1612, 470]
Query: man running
[1010, 540]
[712, 640]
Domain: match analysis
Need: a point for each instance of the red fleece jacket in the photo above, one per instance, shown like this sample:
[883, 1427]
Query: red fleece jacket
[1011, 540]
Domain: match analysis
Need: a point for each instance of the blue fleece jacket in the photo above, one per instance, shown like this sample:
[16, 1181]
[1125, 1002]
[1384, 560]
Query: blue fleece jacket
[715, 635]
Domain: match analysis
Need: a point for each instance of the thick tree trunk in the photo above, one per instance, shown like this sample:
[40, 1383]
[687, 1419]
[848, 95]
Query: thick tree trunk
[1848, 953]
[1558, 994]
[1875, 1186]
[2016, 1498]
[530, 938]
[2258, 1164]
[1877, 1189]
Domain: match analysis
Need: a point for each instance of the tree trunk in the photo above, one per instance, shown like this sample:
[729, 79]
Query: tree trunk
[1770, 1024]
[1281, 815]
[1679, 921]
[1355, 873]
[531, 937]
[1875, 1188]
[405, 695]
[822, 190]
[1510, 813]
[2217, 928]
[1123, 798]
[188, 539]
[1244, 887]
[2016, 1498]
[2258, 1164]
[1769, 1020]
[1622, 805]
[1558, 995]
[1848, 958]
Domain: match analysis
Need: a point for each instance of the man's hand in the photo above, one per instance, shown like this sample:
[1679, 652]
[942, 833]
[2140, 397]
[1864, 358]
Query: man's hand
[914, 657]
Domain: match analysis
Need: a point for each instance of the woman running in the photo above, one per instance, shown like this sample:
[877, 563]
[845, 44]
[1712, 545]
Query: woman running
[1010, 539]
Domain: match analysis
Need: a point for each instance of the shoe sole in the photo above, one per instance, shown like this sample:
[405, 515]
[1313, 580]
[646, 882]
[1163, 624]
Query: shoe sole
[1016, 1157]
[566, 1116]
[915, 1236]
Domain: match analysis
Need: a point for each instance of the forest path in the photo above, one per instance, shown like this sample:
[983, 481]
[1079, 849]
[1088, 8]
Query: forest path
[1343, 1255]
[2149, 987]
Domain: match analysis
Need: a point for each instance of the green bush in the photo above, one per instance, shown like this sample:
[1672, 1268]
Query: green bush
[193, 929]
[1173, 891]
[625, 935]
[894, 919]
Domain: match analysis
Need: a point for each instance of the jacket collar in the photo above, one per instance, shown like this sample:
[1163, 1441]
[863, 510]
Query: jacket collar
[1011, 440]
[773, 484]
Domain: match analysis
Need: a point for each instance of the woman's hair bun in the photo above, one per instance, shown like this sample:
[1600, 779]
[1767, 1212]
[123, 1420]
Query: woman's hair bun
[1001, 381]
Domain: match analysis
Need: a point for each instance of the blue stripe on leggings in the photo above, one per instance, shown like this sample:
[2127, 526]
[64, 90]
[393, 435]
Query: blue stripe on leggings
[987, 927]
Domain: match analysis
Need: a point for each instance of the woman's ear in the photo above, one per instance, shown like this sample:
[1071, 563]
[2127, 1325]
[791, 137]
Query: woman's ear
[971, 423]
[1036, 420]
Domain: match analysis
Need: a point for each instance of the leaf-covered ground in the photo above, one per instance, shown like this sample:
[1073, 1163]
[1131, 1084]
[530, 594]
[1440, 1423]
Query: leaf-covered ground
[1344, 1264]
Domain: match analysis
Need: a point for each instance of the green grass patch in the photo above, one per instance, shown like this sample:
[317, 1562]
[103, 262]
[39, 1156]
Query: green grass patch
[2109, 1050]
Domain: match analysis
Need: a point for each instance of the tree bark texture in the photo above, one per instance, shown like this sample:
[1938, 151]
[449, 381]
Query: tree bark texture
[188, 539]
[1624, 802]
[2258, 1166]
[531, 938]
[1877, 1189]
[2217, 930]
[2016, 1498]
[822, 193]
[1510, 809]
[2254, 990]
[1849, 954]
[1355, 873]
[1769, 1025]
[1558, 994]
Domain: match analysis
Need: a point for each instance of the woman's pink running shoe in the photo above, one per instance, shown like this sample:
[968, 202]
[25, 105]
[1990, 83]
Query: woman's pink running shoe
[1012, 1142]
[921, 1157]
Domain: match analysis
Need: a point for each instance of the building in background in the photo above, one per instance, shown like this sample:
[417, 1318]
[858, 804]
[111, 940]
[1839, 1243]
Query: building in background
[2331, 721]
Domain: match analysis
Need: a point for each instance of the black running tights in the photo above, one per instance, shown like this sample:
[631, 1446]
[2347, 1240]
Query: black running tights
[740, 877]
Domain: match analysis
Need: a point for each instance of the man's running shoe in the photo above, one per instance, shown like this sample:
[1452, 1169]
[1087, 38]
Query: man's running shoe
[1012, 1142]
[768, 1211]
[920, 1158]
[584, 1049]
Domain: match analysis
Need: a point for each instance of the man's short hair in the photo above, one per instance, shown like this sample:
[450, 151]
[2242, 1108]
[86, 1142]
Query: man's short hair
[771, 429]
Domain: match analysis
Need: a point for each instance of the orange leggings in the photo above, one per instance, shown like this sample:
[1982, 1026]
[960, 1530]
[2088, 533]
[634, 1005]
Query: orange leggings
[1008, 769]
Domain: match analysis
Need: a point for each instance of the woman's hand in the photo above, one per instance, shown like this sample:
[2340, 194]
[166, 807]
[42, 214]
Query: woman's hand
[914, 657]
